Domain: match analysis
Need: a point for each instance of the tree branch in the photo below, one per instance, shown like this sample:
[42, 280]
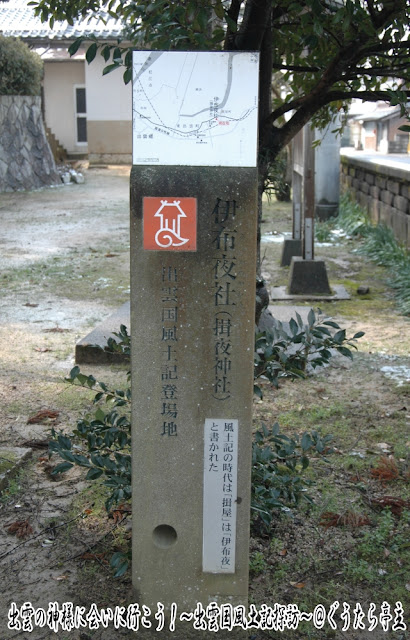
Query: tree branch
[256, 20]
[297, 68]
[233, 14]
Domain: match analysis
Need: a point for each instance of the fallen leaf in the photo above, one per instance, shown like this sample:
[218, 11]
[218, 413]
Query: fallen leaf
[331, 519]
[21, 528]
[43, 415]
[283, 552]
[36, 444]
[55, 330]
[42, 349]
[386, 470]
[94, 556]
[31, 304]
[47, 542]
[396, 505]
[298, 585]
[111, 255]
[59, 578]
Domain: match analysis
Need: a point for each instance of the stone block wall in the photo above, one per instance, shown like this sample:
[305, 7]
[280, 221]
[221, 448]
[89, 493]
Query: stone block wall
[384, 192]
[26, 161]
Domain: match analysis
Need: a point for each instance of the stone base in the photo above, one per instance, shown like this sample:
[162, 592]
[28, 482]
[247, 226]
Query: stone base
[11, 459]
[280, 293]
[91, 349]
[308, 276]
[326, 211]
[291, 248]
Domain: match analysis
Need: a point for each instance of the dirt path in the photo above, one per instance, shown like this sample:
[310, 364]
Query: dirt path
[64, 267]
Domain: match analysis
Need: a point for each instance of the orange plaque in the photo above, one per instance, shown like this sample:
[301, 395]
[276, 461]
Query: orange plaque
[169, 224]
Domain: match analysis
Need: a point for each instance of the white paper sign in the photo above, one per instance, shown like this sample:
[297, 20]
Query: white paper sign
[220, 495]
[195, 108]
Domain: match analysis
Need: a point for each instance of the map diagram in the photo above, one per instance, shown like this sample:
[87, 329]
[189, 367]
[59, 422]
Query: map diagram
[195, 108]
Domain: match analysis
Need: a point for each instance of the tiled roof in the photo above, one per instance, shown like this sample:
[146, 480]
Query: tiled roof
[18, 20]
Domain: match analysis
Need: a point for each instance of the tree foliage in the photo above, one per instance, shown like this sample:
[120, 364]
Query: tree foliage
[21, 70]
[325, 51]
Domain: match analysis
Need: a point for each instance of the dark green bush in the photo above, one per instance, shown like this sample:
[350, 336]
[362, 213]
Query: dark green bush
[21, 69]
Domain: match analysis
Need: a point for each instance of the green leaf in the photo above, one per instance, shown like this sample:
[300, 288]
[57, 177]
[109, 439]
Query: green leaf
[91, 52]
[93, 474]
[330, 323]
[60, 468]
[72, 50]
[110, 68]
[219, 10]
[106, 53]
[293, 326]
[339, 336]
[257, 391]
[346, 352]
[359, 334]
[311, 318]
[306, 442]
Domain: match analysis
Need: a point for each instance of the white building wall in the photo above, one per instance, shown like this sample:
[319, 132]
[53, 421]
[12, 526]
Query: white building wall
[60, 78]
[109, 114]
[108, 98]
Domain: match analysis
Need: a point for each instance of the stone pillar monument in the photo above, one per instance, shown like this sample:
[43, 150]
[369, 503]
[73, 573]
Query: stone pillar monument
[193, 265]
[327, 178]
[307, 275]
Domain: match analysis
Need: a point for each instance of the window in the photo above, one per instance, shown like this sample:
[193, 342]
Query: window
[81, 115]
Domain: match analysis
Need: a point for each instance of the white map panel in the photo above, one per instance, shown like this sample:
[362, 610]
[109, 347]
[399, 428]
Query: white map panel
[195, 108]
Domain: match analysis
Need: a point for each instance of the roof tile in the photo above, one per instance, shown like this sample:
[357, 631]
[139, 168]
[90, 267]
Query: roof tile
[18, 20]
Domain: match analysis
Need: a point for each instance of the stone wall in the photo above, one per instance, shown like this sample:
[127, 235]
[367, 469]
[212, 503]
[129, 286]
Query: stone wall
[384, 192]
[26, 161]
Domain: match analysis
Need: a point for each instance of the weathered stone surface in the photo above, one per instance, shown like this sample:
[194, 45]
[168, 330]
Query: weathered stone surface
[386, 197]
[405, 191]
[401, 225]
[26, 158]
[11, 459]
[374, 210]
[291, 247]
[381, 182]
[385, 214]
[401, 203]
[308, 276]
[375, 192]
[192, 315]
[370, 178]
[363, 290]
[393, 186]
[364, 200]
[364, 187]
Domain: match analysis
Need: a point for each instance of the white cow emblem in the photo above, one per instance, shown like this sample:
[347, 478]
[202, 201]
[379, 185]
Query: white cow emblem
[169, 232]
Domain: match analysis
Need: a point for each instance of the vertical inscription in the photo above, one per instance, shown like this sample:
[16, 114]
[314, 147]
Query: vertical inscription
[220, 495]
[169, 360]
[224, 293]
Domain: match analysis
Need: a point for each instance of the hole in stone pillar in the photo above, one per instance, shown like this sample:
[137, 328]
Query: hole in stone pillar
[164, 536]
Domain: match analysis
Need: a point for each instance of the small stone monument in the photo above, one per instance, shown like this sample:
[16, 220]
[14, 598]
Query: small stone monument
[307, 275]
[193, 265]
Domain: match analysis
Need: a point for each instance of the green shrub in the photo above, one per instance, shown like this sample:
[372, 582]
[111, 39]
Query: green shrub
[289, 353]
[278, 462]
[21, 69]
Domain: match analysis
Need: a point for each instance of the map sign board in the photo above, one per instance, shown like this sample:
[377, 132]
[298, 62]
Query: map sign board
[195, 108]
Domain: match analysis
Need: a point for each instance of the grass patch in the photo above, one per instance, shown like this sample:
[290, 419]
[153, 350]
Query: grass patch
[94, 276]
